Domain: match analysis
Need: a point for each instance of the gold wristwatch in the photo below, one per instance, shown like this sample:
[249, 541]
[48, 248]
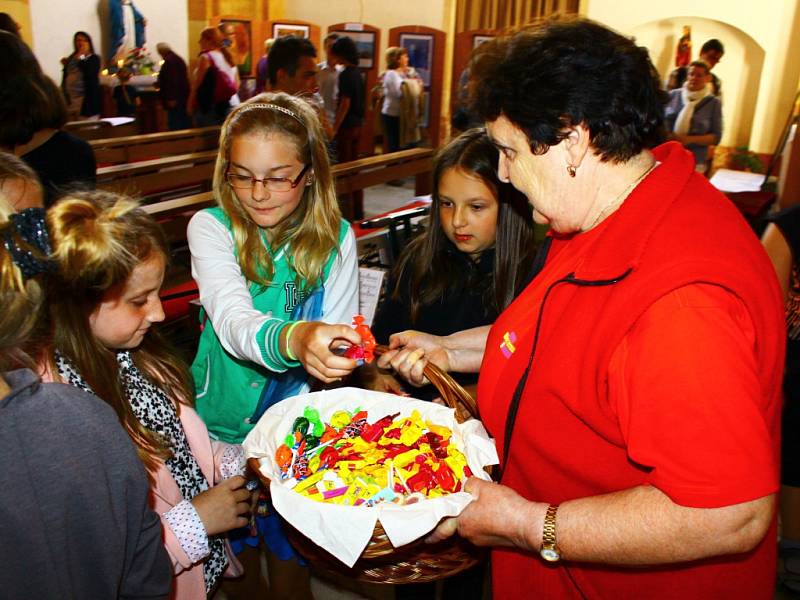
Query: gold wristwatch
[549, 550]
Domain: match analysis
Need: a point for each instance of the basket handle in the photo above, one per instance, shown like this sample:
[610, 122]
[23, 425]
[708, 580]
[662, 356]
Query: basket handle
[453, 394]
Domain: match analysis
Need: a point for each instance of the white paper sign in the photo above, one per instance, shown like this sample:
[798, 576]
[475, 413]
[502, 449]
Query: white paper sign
[728, 180]
[369, 292]
[345, 531]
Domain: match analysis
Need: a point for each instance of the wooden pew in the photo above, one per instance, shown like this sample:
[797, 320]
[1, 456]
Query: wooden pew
[161, 178]
[126, 149]
[95, 129]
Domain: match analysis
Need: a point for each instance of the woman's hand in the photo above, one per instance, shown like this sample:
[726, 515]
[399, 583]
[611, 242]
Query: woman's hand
[410, 351]
[497, 517]
[221, 508]
[313, 344]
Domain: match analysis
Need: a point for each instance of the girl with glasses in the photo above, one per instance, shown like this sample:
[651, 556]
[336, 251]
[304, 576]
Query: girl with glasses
[276, 268]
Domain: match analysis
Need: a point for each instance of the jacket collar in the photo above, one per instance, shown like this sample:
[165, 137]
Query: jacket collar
[629, 229]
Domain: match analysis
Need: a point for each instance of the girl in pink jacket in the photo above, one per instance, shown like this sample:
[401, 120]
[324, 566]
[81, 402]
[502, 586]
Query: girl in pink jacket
[110, 258]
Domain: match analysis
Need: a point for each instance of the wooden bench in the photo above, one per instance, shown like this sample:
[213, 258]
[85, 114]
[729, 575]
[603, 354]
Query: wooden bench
[132, 148]
[96, 129]
[161, 178]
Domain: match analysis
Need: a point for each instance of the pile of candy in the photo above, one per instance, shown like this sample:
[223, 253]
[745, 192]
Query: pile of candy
[348, 461]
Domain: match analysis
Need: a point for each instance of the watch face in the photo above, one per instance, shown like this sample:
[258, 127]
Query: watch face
[550, 554]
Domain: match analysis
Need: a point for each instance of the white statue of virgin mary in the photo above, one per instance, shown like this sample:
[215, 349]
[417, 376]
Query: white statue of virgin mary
[127, 28]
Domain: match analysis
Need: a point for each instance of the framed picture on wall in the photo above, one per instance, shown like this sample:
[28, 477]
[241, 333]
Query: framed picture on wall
[365, 44]
[479, 39]
[420, 54]
[239, 40]
[284, 29]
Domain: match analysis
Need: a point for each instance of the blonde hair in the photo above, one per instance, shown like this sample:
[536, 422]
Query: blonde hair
[21, 301]
[215, 37]
[313, 228]
[98, 239]
[393, 54]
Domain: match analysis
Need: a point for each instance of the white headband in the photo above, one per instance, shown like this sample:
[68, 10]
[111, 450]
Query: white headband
[253, 105]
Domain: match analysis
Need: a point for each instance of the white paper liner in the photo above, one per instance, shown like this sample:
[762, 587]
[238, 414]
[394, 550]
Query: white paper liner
[345, 531]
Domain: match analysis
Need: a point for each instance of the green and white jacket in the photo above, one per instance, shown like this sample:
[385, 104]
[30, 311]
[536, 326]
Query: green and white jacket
[238, 351]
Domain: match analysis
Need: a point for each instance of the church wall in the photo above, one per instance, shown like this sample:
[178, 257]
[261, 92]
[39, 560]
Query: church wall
[54, 23]
[757, 111]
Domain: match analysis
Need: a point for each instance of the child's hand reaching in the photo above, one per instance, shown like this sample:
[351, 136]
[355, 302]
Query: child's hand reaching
[223, 507]
[313, 343]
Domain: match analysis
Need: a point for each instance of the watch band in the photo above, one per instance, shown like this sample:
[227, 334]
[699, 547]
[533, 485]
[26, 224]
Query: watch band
[549, 550]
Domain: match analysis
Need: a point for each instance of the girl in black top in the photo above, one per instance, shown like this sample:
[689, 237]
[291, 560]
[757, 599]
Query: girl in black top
[472, 259]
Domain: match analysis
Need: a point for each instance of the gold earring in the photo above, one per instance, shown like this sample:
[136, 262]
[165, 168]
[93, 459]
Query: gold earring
[571, 170]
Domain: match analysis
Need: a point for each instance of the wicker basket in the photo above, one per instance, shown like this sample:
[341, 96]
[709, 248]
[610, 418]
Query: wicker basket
[417, 562]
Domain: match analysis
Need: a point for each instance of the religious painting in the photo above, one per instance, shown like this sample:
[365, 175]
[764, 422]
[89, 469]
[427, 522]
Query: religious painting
[239, 41]
[365, 44]
[284, 29]
[477, 40]
[420, 54]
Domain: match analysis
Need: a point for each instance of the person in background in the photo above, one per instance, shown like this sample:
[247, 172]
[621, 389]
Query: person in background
[173, 87]
[75, 504]
[328, 79]
[349, 115]
[634, 386]
[7, 23]
[710, 53]
[291, 66]
[215, 59]
[693, 114]
[292, 69]
[397, 71]
[262, 68]
[126, 96]
[32, 112]
[20, 187]
[81, 79]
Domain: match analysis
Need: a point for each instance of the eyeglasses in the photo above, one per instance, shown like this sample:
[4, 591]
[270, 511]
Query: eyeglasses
[273, 184]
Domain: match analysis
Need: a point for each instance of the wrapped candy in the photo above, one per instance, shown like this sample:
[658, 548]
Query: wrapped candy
[364, 352]
[353, 462]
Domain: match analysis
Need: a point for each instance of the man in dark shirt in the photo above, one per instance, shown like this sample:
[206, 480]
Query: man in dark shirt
[173, 87]
[349, 114]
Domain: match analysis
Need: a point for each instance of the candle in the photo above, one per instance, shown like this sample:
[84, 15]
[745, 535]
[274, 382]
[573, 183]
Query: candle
[104, 72]
[120, 63]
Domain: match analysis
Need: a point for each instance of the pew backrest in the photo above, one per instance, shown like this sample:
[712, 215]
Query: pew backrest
[98, 128]
[148, 146]
[162, 178]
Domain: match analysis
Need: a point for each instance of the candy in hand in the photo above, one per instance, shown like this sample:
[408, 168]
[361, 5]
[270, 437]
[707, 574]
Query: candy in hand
[366, 350]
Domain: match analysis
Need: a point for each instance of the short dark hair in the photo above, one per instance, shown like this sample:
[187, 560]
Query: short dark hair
[331, 36]
[285, 54]
[713, 44]
[7, 23]
[29, 100]
[562, 73]
[345, 48]
[700, 63]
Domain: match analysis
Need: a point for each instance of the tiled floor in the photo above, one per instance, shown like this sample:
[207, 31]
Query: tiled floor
[380, 199]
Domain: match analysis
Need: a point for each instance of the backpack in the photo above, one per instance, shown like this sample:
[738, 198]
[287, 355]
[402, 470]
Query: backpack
[224, 85]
